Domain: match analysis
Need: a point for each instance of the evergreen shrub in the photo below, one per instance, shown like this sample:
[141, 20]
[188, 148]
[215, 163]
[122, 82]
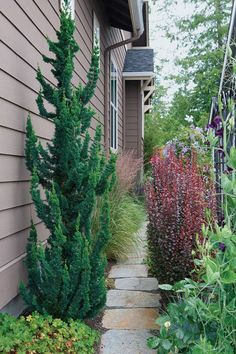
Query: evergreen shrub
[177, 198]
[66, 279]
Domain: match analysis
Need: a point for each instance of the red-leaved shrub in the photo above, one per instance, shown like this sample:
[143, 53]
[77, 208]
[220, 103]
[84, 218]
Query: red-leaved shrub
[177, 198]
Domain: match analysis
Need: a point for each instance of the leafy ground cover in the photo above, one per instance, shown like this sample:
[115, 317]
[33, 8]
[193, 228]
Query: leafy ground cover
[41, 334]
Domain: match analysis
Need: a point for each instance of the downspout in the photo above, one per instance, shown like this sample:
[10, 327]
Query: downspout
[138, 30]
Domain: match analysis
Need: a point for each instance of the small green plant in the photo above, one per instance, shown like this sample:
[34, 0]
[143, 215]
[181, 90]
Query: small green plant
[43, 334]
[205, 308]
[126, 212]
[126, 218]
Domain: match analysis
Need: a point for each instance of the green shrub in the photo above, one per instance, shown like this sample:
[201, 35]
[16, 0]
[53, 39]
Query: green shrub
[44, 335]
[66, 278]
[204, 314]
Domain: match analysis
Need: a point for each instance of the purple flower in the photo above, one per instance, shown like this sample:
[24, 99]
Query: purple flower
[185, 149]
[210, 126]
[220, 132]
[217, 120]
[222, 246]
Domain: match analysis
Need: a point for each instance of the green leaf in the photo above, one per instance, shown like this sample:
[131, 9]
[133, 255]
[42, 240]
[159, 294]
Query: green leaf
[179, 333]
[228, 277]
[211, 276]
[212, 270]
[226, 233]
[161, 320]
[227, 184]
[153, 342]
[167, 287]
[166, 344]
[232, 157]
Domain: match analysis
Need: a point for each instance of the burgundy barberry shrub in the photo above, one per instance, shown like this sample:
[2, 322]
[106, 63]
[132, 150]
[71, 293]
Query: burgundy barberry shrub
[177, 198]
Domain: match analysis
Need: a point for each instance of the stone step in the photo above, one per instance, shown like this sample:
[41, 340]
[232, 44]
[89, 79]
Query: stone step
[128, 271]
[125, 341]
[144, 284]
[132, 299]
[138, 318]
[133, 261]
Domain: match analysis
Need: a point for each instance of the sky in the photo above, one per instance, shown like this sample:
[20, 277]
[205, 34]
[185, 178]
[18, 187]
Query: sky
[163, 47]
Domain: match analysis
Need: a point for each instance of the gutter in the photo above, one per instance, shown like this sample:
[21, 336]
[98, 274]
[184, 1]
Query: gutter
[136, 12]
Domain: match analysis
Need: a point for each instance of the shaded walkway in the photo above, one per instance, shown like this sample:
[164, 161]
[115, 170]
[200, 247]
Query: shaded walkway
[131, 306]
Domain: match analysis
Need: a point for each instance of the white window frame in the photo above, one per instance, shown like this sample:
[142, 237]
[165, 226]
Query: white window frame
[114, 109]
[71, 6]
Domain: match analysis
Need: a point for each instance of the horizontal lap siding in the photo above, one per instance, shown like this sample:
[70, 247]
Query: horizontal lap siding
[24, 27]
[131, 116]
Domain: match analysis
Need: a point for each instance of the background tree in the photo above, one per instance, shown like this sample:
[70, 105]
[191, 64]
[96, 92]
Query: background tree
[203, 35]
[66, 279]
[160, 125]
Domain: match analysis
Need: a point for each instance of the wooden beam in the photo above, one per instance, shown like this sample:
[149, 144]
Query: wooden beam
[145, 85]
[147, 107]
[152, 88]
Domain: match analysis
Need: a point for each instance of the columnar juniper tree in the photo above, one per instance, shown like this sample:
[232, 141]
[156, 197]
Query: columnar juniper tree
[66, 279]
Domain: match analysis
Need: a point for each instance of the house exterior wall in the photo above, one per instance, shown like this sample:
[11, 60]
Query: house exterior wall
[24, 26]
[133, 139]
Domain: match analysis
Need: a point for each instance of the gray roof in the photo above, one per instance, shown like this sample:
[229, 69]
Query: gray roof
[139, 60]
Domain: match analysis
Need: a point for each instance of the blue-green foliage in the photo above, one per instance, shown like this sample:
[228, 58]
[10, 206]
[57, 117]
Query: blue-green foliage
[66, 279]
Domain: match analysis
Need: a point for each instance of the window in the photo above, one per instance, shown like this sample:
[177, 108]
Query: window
[71, 6]
[113, 106]
[96, 31]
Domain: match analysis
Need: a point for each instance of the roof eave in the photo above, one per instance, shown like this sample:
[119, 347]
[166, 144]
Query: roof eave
[142, 75]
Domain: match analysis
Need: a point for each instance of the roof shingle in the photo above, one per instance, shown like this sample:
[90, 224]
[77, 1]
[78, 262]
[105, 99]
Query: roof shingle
[139, 60]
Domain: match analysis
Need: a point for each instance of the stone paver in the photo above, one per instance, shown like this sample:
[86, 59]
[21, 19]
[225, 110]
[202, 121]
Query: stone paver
[128, 298]
[128, 271]
[126, 341]
[144, 284]
[133, 261]
[132, 307]
[138, 318]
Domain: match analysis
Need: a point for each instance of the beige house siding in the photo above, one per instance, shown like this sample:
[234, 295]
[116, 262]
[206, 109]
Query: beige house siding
[24, 27]
[133, 117]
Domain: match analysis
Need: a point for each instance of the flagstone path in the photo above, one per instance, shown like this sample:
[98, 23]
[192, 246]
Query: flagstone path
[132, 306]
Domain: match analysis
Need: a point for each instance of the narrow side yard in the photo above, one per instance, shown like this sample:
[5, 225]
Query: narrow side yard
[132, 306]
